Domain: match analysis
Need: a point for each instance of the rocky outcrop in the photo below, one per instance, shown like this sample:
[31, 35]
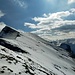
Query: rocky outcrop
[68, 49]
[9, 33]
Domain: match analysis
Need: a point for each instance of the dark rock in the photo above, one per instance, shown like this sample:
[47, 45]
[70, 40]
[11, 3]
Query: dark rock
[66, 47]
[8, 32]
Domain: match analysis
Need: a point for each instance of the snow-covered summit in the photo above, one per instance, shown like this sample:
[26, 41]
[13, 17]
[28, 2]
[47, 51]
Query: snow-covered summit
[28, 54]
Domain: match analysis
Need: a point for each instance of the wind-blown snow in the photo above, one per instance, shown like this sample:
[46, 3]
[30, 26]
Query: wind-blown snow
[32, 55]
[1, 27]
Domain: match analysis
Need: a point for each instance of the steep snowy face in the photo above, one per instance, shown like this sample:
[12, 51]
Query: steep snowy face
[28, 54]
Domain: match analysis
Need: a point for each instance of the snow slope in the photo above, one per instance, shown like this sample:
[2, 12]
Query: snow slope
[28, 54]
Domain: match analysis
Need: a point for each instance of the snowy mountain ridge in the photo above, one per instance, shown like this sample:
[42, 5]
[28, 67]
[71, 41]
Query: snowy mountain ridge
[28, 54]
[70, 42]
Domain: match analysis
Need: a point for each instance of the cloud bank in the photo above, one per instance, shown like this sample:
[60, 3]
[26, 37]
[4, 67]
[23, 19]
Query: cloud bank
[54, 24]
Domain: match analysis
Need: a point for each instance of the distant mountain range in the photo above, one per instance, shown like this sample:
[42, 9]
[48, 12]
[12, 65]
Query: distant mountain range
[70, 42]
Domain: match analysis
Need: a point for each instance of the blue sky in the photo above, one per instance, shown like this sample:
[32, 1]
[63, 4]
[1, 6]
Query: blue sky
[51, 19]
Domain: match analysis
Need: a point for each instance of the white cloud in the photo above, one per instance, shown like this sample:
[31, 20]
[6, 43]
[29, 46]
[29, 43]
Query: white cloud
[21, 3]
[72, 11]
[20, 30]
[71, 1]
[1, 14]
[30, 25]
[53, 24]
